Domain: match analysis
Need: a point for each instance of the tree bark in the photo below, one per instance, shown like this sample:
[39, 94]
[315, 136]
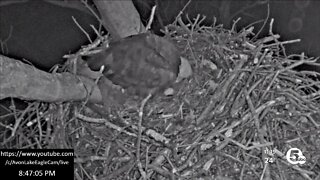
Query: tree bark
[120, 18]
[24, 81]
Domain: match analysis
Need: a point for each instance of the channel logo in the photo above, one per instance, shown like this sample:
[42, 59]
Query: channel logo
[295, 156]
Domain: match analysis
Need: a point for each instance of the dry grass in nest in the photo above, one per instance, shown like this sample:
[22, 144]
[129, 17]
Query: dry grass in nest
[235, 118]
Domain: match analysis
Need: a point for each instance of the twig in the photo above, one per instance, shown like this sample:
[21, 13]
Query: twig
[93, 12]
[88, 36]
[103, 121]
[271, 26]
[180, 13]
[233, 28]
[143, 103]
[100, 37]
[264, 22]
[153, 10]
[282, 43]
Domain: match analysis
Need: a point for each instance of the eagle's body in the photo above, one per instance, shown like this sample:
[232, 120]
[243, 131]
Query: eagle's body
[140, 64]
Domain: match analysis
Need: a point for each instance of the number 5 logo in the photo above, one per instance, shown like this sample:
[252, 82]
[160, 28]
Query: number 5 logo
[295, 156]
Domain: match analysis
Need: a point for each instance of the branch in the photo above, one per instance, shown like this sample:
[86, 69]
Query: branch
[120, 18]
[24, 81]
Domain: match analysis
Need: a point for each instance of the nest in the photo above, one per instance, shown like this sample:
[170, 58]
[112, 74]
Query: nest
[243, 108]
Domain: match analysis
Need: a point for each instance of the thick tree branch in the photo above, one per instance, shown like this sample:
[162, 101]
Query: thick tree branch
[120, 18]
[24, 81]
